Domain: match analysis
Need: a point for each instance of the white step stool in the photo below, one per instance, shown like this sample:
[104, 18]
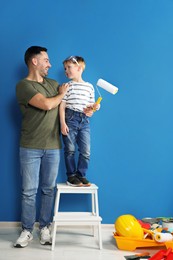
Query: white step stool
[76, 218]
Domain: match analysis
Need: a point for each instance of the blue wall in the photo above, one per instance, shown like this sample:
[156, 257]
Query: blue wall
[129, 44]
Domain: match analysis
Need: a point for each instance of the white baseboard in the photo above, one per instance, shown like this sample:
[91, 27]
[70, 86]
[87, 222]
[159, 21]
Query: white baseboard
[9, 224]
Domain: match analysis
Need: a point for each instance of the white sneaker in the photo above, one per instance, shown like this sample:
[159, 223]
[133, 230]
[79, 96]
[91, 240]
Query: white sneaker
[45, 236]
[24, 238]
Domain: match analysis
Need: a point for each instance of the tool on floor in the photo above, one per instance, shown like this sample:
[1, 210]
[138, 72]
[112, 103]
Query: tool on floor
[163, 237]
[144, 255]
[163, 255]
[148, 232]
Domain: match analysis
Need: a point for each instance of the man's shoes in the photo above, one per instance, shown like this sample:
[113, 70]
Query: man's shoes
[84, 181]
[74, 181]
[23, 239]
[45, 236]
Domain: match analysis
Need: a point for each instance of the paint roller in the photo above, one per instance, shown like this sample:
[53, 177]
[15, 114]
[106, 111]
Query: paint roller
[106, 86]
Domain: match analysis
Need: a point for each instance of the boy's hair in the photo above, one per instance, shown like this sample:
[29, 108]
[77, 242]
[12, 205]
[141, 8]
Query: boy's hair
[32, 51]
[76, 60]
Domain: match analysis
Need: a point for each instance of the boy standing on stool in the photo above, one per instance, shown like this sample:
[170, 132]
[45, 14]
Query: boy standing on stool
[75, 109]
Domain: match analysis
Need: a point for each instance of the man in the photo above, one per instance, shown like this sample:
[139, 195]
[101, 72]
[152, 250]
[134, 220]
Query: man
[39, 98]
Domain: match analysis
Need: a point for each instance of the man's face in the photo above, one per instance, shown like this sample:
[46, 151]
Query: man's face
[43, 63]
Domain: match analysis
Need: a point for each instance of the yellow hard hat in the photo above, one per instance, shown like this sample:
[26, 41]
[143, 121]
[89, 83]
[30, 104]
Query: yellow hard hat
[128, 226]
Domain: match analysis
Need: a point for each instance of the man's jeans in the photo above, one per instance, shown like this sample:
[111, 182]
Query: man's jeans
[79, 133]
[38, 167]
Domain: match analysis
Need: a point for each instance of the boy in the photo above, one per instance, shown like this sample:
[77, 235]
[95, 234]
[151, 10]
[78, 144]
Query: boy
[75, 109]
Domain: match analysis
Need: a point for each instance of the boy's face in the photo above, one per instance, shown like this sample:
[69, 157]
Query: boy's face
[72, 70]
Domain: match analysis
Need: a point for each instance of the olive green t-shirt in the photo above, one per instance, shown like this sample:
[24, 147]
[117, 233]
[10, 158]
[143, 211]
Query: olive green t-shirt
[40, 128]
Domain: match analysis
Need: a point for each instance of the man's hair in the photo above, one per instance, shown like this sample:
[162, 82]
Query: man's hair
[32, 51]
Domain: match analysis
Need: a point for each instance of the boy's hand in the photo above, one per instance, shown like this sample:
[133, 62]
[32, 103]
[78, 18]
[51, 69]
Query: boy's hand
[88, 111]
[96, 106]
[64, 129]
[91, 108]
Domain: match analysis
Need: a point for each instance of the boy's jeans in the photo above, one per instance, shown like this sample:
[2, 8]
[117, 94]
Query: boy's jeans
[79, 133]
[38, 167]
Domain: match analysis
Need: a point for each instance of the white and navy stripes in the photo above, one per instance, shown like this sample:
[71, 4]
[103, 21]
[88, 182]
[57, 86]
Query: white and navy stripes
[79, 95]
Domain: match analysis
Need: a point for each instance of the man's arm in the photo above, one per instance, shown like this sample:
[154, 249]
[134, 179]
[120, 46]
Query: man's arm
[45, 103]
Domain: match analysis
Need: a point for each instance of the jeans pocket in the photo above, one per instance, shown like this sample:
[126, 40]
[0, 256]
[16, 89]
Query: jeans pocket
[69, 115]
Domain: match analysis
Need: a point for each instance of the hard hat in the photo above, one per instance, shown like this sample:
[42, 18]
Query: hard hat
[128, 226]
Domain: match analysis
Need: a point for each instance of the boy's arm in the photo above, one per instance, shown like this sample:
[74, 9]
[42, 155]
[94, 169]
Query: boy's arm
[64, 127]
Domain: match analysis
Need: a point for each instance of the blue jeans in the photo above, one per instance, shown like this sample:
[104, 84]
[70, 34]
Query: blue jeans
[38, 167]
[79, 133]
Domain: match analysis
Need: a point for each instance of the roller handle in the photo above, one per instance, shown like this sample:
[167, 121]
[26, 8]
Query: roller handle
[97, 102]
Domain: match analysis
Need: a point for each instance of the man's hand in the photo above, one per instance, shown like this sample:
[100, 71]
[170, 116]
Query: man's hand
[63, 88]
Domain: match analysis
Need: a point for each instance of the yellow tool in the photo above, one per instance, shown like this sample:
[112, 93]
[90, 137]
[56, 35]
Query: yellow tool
[99, 100]
[106, 86]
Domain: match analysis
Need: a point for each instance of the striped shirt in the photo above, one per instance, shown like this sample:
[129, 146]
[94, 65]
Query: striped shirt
[79, 96]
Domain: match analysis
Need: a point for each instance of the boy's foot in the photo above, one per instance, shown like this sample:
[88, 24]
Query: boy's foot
[45, 236]
[74, 181]
[23, 239]
[84, 181]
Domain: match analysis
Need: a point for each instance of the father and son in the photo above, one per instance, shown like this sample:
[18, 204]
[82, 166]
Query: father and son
[47, 108]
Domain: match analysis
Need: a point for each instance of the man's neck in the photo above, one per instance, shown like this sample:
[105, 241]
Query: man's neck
[35, 77]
